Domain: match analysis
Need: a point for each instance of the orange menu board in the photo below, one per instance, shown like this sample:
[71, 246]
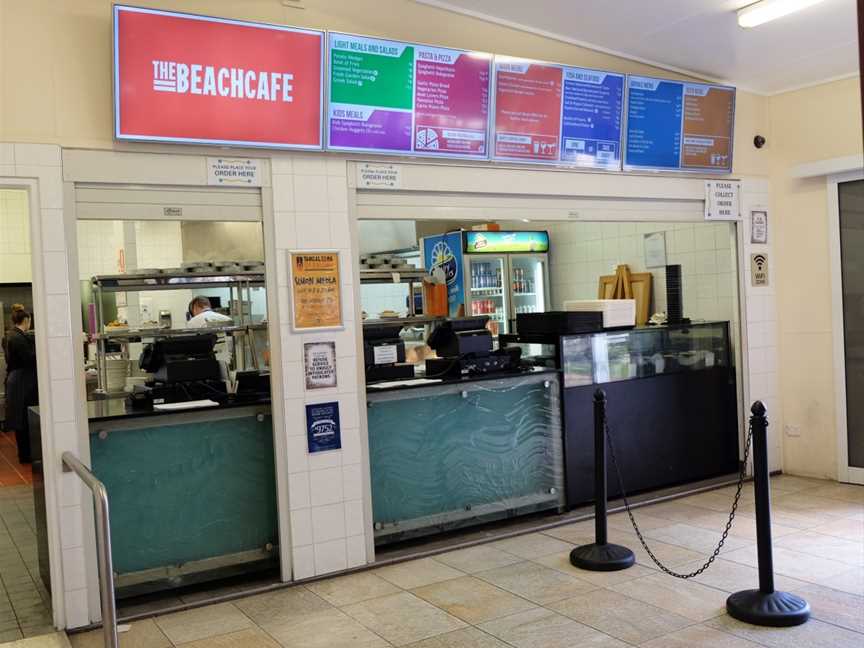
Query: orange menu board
[708, 116]
[315, 290]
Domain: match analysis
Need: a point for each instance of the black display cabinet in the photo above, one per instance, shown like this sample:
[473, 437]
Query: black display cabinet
[672, 406]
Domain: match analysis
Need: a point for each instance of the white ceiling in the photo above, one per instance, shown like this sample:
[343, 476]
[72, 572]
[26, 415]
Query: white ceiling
[699, 37]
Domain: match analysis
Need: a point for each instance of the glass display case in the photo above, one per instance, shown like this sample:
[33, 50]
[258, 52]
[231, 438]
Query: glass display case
[599, 358]
[672, 406]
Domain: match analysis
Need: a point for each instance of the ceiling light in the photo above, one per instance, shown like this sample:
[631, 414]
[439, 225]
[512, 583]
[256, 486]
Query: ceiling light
[767, 10]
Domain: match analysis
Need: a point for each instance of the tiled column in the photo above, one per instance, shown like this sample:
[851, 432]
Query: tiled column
[325, 489]
[761, 320]
[56, 346]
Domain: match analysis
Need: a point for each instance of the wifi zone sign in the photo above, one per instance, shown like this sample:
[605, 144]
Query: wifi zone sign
[759, 270]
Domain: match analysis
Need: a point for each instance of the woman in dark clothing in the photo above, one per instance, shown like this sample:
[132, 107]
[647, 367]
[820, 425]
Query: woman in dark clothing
[21, 388]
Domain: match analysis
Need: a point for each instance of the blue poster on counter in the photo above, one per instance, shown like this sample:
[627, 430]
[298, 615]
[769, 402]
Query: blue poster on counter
[654, 122]
[445, 252]
[322, 427]
[593, 103]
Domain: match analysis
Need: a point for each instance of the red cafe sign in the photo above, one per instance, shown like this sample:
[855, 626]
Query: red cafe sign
[195, 79]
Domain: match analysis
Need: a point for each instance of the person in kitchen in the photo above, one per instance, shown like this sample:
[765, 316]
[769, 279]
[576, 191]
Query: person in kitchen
[21, 387]
[202, 315]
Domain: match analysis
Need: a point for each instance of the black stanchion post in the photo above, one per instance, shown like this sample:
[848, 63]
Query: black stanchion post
[601, 556]
[765, 606]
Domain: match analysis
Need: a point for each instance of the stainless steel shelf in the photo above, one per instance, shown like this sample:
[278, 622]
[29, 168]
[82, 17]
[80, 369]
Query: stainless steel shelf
[386, 276]
[167, 333]
[210, 279]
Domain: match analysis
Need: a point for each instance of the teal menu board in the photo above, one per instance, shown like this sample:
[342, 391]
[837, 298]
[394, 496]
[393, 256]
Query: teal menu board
[393, 97]
[679, 126]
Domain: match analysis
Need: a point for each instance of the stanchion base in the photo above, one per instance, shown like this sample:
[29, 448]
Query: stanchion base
[605, 557]
[777, 610]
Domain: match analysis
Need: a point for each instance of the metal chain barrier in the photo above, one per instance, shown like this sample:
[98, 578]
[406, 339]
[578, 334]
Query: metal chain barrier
[713, 557]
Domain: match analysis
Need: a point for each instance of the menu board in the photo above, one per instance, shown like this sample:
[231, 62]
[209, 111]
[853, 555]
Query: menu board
[593, 104]
[679, 126]
[392, 97]
[552, 113]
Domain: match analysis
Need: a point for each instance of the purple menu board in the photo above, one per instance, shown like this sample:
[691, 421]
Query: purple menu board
[392, 97]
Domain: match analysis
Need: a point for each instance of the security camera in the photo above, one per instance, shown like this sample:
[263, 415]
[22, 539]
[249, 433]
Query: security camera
[759, 141]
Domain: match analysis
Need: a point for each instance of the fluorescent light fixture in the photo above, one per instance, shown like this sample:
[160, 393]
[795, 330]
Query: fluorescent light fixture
[767, 10]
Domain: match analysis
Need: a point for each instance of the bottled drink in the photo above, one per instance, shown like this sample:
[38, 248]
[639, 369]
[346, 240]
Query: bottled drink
[498, 278]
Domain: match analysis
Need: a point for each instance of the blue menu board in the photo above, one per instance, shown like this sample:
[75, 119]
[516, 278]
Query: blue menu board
[676, 125]
[593, 102]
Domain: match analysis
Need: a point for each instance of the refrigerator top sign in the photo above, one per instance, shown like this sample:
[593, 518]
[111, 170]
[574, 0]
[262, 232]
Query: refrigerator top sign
[678, 126]
[195, 79]
[506, 242]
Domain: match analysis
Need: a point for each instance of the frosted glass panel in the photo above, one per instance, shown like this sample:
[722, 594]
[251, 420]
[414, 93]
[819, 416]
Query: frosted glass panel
[188, 492]
[460, 454]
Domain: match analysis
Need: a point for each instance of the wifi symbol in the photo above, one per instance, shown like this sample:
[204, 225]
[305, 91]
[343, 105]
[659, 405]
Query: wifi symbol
[760, 261]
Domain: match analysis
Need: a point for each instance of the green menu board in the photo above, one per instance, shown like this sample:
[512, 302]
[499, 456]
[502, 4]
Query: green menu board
[360, 75]
[393, 97]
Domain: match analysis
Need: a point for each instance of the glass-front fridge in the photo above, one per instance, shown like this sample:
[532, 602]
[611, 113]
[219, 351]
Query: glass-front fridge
[507, 273]
[487, 288]
[529, 284]
[495, 274]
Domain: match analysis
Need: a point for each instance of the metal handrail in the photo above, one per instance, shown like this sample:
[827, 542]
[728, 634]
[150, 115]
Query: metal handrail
[103, 546]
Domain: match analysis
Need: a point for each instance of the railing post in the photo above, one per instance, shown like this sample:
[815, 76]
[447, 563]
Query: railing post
[601, 556]
[103, 547]
[765, 606]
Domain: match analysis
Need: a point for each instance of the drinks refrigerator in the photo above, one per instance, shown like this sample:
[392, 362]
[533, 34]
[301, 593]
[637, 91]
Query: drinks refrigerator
[496, 274]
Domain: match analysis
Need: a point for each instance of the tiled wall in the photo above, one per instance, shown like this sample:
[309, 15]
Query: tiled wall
[583, 252]
[761, 317]
[375, 298]
[57, 381]
[14, 237]
[310, 201]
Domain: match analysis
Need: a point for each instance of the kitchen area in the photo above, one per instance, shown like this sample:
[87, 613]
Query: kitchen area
[174, 328]
[484, 343]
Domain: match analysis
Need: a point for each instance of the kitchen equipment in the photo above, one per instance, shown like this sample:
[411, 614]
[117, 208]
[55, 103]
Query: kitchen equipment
[165, 319]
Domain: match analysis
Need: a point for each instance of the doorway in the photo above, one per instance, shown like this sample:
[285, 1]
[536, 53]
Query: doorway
[25, 603]
[850, 212]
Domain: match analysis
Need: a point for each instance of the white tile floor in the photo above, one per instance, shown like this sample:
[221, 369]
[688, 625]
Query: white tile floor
[523, 593]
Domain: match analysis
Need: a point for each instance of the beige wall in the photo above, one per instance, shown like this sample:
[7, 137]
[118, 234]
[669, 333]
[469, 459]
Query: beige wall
[817, 123]
[59, 88]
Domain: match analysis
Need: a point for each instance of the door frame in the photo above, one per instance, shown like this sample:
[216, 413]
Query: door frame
[845, 472]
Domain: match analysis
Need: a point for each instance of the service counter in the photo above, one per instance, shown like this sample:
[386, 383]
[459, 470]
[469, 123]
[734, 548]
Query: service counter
[192, 493]
[461, 452]
[672, 406]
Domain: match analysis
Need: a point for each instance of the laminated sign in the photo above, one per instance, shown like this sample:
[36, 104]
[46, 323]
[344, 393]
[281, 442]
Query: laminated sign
[320, 360]
[186, 78]
[315, 290]
[322, 427]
